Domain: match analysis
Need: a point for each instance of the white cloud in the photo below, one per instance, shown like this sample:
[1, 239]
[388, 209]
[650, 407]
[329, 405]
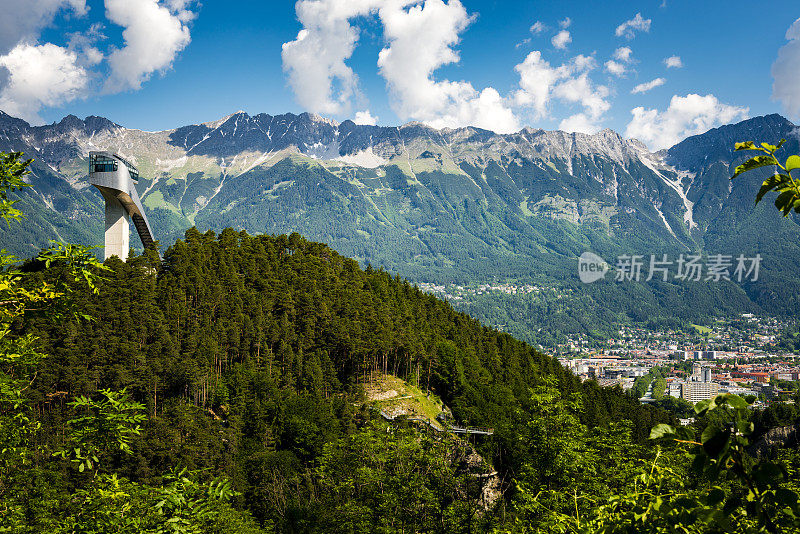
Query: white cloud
[536, 80]
[83, 43]
[579, 122]
[315, 60]
[561, 39]
[647, 86]
[23, 20]
[581, 90]
[623, 54]
[686, 115]
[786, 74]
[154, 34]
[569, 83]
[420, 40]
[537, 27]
[366, 118]
[629, 28]
[566, 23]
[582, 63]
[93, 56]
[40, 76]
[615, 68]
[673, 62]
[522, 43]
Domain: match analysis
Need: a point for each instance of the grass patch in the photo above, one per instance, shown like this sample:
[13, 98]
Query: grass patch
[702, 330]
[395, 395]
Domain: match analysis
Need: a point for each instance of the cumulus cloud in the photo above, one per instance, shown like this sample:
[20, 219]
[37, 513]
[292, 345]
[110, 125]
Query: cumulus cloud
[629, 28]
[315, 60]
[647, 86]
[537, 27]
[580, 90]
[569, 83]
[686, 115]
[365, 118]
[566, 23]
[580, 122]
[84, 44]
[561, 39]
[623, 54]
[615, 68]
[420, 40]
[673, 62]
[40, 76]
[154, 34]
[537, 79]
[785, 72]
[30, 17]
[35, 75]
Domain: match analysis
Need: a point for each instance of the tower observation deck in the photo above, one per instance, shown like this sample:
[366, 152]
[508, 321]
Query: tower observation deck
[116, 178]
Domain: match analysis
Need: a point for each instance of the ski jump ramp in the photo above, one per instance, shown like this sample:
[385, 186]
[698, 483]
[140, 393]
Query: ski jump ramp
[116, 179]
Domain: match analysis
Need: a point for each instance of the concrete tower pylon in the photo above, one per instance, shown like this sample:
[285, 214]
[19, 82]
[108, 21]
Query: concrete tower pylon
[116, 178]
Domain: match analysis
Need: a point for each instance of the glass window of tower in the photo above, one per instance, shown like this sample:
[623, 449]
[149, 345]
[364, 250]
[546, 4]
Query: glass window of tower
[99, 163]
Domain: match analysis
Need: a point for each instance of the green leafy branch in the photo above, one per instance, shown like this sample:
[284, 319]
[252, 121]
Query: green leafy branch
[109, 423]
[787, 187]
[12, 170]
[186, 503]
[721, 454]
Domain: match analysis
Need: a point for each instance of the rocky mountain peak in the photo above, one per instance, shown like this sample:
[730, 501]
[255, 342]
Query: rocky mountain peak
[9, 123]
[717, 144]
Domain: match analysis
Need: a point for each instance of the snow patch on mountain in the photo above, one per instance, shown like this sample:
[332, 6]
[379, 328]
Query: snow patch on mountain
[655, 163]
[364, 158]
[323, 151]
[664, 220]
[169, 164]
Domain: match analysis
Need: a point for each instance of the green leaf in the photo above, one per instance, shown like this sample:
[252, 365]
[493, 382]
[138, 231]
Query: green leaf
[792, 163]
[709, 432]
[745, 427]
[733, 503]
[776, 181]
[715, 496]
[784, 202]
[736, 401]
[754, 163]
[786, 497]
[661, 430]
[699, 461]
[716, 442]
[747, 145]
[702, 406]
[773, 148]
[767, 473]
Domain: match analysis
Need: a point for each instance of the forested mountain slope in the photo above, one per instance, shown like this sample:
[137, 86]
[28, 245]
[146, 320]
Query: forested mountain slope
[461, 206]
[250, 353]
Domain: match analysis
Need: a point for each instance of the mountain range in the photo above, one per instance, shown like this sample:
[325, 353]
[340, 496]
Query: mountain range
[448, 206]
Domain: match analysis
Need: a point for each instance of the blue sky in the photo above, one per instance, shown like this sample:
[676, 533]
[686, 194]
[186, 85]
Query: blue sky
[157, 65]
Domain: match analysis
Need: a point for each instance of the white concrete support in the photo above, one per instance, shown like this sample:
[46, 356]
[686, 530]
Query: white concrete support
[115, 178]
[118, 229]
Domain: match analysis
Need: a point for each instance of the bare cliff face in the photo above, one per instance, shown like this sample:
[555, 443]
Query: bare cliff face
[776, 438]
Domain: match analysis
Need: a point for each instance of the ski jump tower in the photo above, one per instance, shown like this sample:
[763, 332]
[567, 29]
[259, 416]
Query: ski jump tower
[116, 179]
